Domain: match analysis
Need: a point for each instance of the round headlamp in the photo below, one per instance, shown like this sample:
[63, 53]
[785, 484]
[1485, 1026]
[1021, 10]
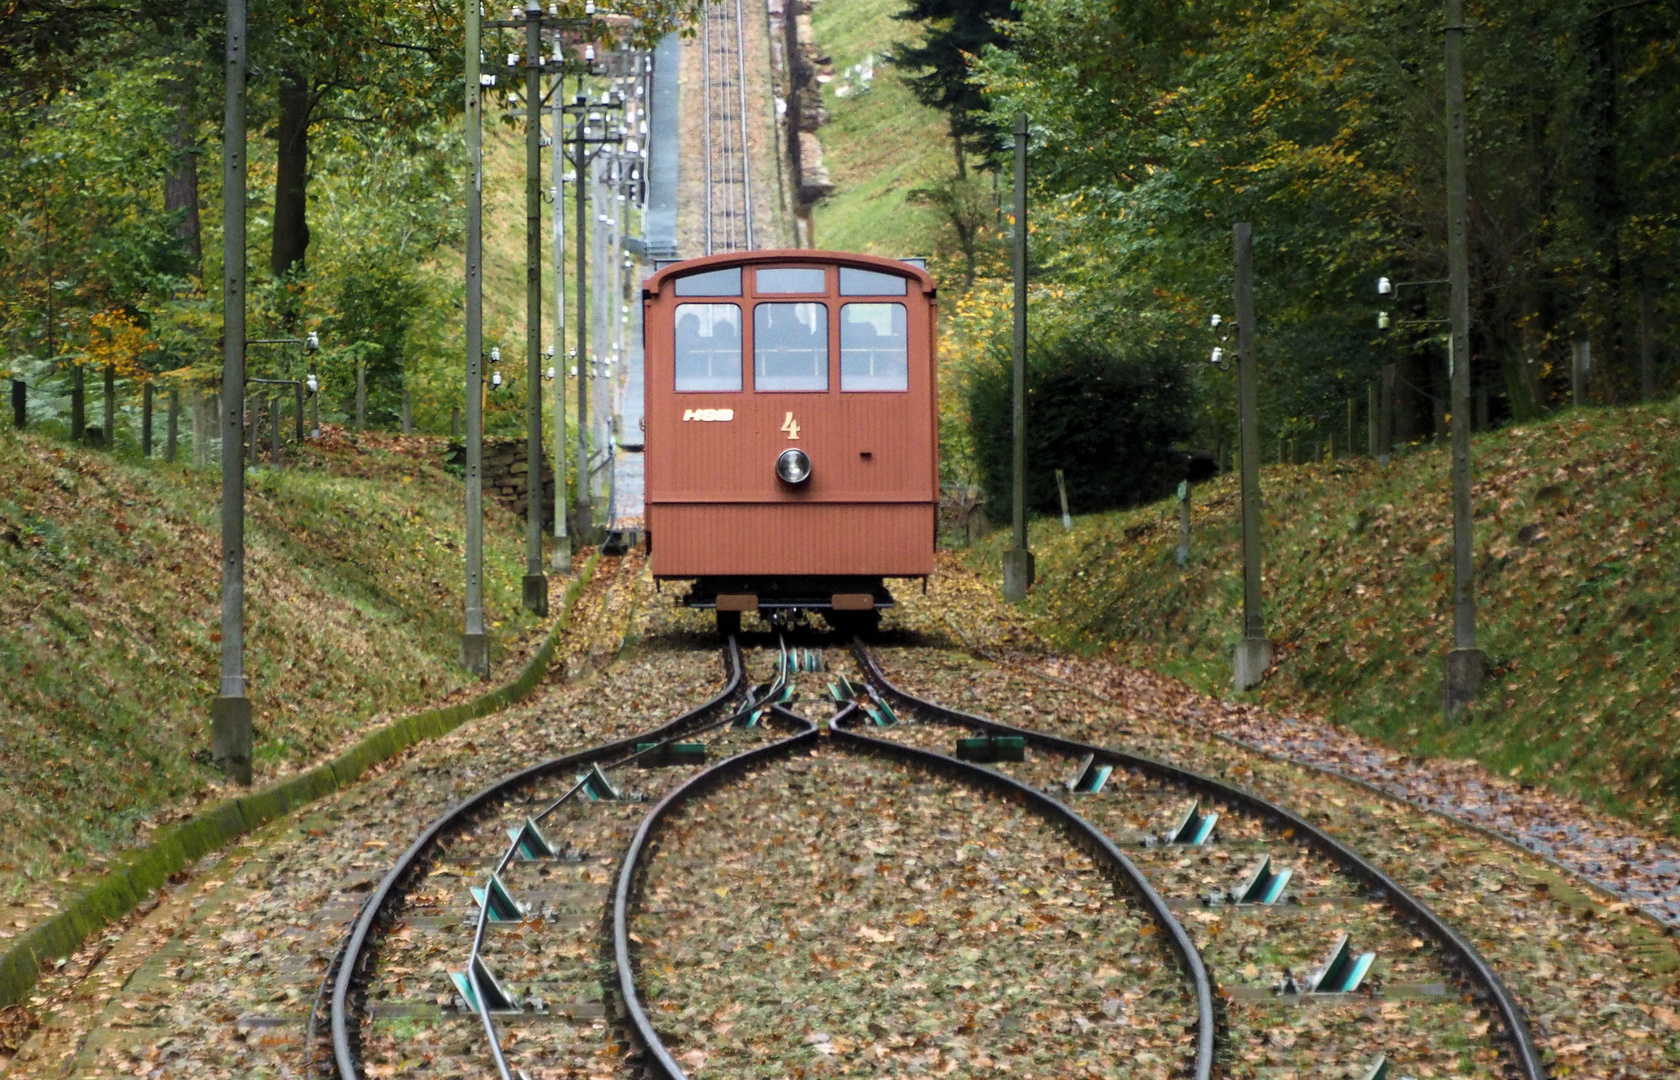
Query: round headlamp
[793, 467]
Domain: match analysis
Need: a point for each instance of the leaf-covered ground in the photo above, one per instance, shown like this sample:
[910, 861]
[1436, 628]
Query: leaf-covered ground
[1578, 591]
[846, 916]
[1601, 984]
[110, 631]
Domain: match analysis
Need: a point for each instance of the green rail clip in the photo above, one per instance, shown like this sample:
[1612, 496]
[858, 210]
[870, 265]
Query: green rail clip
[989, 748]
[1194, 827]
[881, 705]
[1263, 885]
[682, 753]
[1090, 777]
[496, 998]
[597, 787]
[503, 907]
[1378, 1069]
[530, 843]
[1342, 971]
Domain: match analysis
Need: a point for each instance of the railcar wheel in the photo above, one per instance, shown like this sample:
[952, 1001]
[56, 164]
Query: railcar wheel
[728, 622]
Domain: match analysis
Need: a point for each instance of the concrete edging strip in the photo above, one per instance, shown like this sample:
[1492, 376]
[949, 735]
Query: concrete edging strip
[143, 871]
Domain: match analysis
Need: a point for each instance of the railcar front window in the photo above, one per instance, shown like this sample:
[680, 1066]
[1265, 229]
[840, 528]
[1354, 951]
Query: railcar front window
[790, 347]
[874, 347]
[708, 347]
[855, 282]
[725, 282]
[791, 279]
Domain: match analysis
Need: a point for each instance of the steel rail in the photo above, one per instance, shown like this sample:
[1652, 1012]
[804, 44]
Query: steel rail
[706, 112]
[1097, 838]
[344, 1054]
[741, 85]
[806, 732]
[483, 1009]
[1511, 1014]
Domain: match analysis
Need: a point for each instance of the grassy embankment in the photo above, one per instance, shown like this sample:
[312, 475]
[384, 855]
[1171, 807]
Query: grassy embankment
[1578, 592]
[109, 627]
[877, 145]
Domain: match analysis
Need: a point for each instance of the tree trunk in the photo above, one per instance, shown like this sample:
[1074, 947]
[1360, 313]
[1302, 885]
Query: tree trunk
[1605, 209]
[180, 184]
[291, 228]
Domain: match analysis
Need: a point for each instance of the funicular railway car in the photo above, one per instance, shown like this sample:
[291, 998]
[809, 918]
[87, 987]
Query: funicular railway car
[791, 432]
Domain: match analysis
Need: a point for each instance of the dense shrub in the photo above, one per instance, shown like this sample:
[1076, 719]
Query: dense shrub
[1105, 416]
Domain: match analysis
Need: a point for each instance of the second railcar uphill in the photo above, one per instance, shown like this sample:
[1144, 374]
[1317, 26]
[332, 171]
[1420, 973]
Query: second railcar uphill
[792, 443]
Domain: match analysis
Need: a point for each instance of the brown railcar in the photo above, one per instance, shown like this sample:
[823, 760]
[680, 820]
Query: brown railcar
[792, 446]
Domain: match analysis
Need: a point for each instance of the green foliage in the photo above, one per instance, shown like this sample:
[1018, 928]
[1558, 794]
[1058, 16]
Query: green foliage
[1105, 415]
[1321, 122]
[954, 32]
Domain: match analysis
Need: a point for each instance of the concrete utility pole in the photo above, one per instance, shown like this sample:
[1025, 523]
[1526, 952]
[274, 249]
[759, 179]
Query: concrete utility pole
[1018, 560]
[1466, 664]
[585, 506]
[475, 644]
[230, 715]
[584, 114]
[536, 582]
[561, 559]
[1253, 653]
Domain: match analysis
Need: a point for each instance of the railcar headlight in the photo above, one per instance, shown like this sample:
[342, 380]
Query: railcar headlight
[793, 467]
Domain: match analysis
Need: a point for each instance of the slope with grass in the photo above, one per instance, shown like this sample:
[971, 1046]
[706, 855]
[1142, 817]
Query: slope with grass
[1578, 591]
[879, 144]
[109, 626]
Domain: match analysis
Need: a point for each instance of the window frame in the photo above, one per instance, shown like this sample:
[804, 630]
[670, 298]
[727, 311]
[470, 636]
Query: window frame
[740, 359]
[827, 338]
[840, 332]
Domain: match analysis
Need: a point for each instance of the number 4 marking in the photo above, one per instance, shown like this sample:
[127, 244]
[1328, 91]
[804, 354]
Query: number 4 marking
[791, 426]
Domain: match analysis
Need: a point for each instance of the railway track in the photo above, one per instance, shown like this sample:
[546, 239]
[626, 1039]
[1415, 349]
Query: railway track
[965, 893]
[521, 950]
[727, 215]
[1289, 919]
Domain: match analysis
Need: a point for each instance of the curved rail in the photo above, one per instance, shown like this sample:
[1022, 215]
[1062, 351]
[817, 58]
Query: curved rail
[771, 694]
[344, 1054]
[699, 782]
[1096, 838]
[1516, 1025]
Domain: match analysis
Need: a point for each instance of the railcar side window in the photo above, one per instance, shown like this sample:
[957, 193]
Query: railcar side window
[725, 282]
[708, 347]
[855, 282]
[791, 279]
[874, 347]
[790, 347]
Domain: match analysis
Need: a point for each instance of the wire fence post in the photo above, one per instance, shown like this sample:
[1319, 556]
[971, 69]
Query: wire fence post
[172, 431]
[20, 403]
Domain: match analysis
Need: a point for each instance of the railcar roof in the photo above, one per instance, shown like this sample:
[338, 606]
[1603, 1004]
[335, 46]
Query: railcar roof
[652, 285]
